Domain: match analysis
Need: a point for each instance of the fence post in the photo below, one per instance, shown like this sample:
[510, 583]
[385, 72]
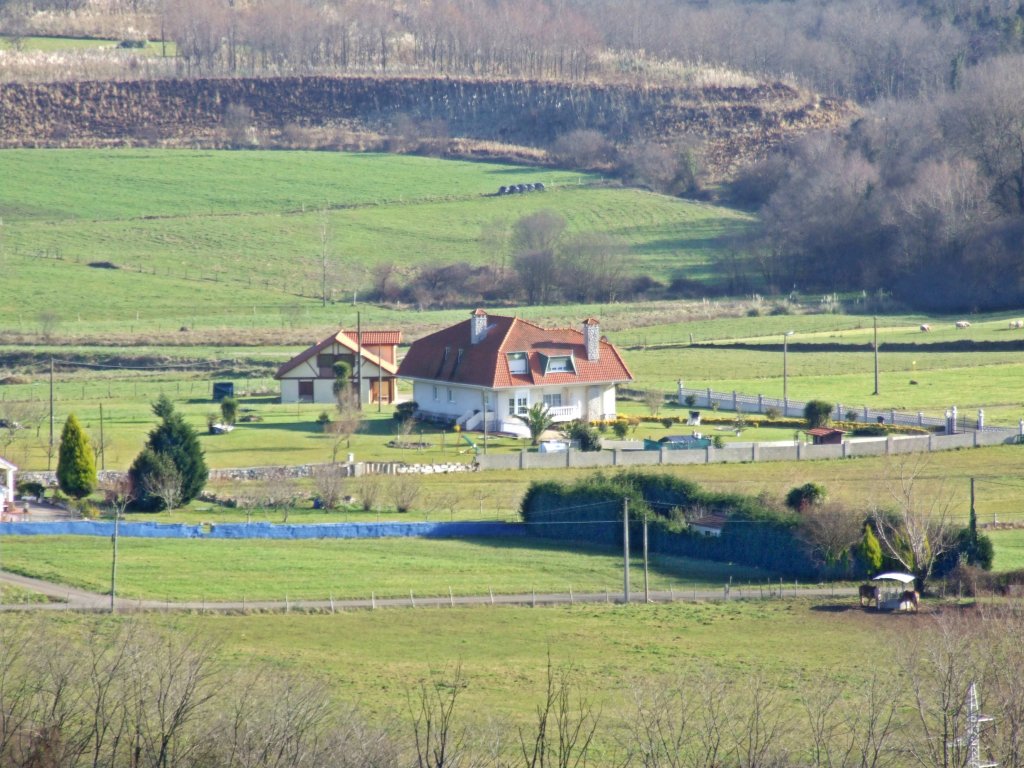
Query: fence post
[920, 418]
[760, 403]
[1020, 427]
[981, 418]
[839, 411]
[679, 391]
[892, 415]
[735, 402]
[785, 406]
[708, 404]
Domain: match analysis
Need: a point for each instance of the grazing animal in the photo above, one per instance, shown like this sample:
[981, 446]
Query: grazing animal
[925, 327]
[869, 592]
[502, 190]
[910, 598]
[1015, 324]
[520, 187]
[963, 324]
[539, 186]
[529, 187]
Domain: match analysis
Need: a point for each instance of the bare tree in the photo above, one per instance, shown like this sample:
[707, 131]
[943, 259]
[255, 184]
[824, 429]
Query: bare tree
[369, 487]
[349, 417]
[166, 486]
[404, 489]
[829, 530]
[917, 530]
[654, 399]
[440, 743]
[279, 491]
[566, 724]
[329, 481]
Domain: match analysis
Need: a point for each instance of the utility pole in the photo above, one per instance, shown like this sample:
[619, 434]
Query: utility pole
[647, 590]
[876, 354]
[103, 445]
[113, 561]
[359, 359]
[625, 551]
[49, 456]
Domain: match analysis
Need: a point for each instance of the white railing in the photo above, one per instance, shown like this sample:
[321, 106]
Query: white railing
[564, 412]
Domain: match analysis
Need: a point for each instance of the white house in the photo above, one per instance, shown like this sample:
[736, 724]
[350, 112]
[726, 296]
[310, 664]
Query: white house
[309, 376]
[503, 365]
[7, 486]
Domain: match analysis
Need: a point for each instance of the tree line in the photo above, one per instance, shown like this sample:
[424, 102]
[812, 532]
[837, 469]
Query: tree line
[863, 49]
[921, 200]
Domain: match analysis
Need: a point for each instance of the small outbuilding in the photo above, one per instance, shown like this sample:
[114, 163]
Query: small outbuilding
[709, 525]
[825, 435]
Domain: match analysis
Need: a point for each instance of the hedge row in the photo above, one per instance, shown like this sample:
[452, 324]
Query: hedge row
[590, 511]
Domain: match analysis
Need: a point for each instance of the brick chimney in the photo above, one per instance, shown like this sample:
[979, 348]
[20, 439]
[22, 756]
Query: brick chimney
[592, 338]
[477, 326]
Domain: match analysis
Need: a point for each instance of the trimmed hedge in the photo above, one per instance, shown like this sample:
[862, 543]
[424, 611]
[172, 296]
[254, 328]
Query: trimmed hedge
[590, 511]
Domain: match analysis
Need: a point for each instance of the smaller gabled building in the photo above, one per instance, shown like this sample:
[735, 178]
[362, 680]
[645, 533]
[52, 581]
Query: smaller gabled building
[372, 355]
[494, 368]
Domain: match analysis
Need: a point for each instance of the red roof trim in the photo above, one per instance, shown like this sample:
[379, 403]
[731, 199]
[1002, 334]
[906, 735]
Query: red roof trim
[342, 338]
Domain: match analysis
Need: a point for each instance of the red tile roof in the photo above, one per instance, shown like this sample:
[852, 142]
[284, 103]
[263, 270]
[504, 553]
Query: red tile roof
[448, 356]
[346, 339]
[823, 431]
[376, 338]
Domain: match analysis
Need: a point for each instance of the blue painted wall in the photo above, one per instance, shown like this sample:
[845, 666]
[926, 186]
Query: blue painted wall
[438, 530]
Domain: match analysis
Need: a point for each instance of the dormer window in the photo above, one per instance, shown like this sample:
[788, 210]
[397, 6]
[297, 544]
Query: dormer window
[517, 362]
[559, 364]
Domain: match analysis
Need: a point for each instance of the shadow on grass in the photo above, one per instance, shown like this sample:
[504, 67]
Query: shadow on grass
[709, 573]
[833, 608]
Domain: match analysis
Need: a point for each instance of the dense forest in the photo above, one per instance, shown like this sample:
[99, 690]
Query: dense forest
[919, 198]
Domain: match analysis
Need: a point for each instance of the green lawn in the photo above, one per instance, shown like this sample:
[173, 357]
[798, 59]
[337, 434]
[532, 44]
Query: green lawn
[221, 571]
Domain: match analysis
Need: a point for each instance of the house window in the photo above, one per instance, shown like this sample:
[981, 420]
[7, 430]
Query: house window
[553, 401]
[560, 364]
[306, 390]
[511, 406]
[436, 397]
[451, 395]
[522, 405]
[517, 362]
[324, 361]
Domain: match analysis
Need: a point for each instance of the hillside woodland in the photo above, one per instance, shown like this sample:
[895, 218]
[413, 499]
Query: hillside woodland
[880, 141]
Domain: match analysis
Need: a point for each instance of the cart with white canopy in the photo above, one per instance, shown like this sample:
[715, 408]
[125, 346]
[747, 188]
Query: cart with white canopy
[891, 587]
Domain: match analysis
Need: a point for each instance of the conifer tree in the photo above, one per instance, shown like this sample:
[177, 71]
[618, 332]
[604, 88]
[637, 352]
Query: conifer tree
[176, 442]
[76, 462]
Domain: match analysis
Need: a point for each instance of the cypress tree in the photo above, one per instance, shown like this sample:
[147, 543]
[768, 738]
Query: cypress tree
[870, 551]
[76, 462]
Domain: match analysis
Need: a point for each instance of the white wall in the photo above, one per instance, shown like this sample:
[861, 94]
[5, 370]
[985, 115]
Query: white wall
[464, 398]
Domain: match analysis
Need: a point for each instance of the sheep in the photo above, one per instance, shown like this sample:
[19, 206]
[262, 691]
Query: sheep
[925, 327]
[1016, 324]
[963, 324]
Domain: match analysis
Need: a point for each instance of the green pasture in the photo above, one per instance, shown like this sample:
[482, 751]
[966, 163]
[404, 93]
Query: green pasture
[252, 569]
[374, 660]
[1009, 546]
[57, 44]
[242, 230]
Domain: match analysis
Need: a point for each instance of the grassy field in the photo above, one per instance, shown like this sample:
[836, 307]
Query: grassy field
[1009, 547]
[225, 571]
[373, 658]
[187, 227]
